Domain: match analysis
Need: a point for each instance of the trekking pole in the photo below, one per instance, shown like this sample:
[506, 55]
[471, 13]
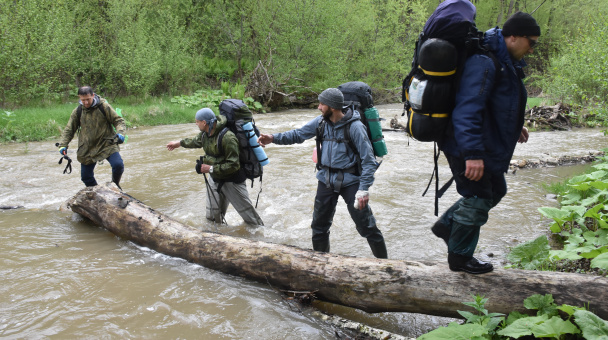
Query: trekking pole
[69, 161]
[217, 204]
[538, 7]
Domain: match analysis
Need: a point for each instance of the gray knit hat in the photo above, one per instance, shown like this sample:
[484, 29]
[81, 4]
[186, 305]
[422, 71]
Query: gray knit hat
[333, 98]
[521, 24]
[207, 115]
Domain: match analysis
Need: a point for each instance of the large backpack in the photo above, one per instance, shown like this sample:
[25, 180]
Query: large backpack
[449, 37]
[359, 95]
[238, 115]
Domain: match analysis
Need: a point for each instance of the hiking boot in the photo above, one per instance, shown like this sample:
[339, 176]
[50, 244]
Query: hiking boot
[378, 249]
[321, 245]
[469, 265]
[442, 231]
[116, 180]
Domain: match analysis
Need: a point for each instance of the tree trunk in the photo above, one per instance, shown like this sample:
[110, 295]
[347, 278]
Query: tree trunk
[372, 285]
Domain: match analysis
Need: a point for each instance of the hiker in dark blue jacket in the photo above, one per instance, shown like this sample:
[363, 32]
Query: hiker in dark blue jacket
[338, 173]
[488, 122]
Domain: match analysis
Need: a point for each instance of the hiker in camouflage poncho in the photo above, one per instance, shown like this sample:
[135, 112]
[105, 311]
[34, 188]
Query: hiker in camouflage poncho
[95, 120]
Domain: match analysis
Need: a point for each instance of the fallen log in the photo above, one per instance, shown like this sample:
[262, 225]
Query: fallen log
[371, 285]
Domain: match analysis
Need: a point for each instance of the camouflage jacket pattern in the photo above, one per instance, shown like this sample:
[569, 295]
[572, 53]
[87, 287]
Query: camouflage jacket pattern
[226, 162]
[95, 132]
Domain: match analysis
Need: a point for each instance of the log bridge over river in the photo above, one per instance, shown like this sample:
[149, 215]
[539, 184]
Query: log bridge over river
[371, 285]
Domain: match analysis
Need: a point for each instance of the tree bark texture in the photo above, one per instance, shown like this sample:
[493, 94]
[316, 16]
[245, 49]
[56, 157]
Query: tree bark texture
[371, 285]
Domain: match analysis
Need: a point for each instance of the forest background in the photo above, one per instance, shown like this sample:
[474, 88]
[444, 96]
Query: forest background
[143, 48]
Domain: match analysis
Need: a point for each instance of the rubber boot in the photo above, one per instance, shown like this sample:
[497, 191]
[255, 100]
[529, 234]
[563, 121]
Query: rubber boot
[467, 264]
[442, 231]
[321, 245]
[116, 180]
[378, 249]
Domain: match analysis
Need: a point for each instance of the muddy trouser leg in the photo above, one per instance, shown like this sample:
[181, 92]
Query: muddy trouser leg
[323, 216]
[216, 203]
[118, 167]
[87, 174]
[364, 221]
[471, 212]
[237, 195]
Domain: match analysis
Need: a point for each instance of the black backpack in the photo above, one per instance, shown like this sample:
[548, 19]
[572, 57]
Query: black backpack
[238, 114]
[359, 95]
[449, 37]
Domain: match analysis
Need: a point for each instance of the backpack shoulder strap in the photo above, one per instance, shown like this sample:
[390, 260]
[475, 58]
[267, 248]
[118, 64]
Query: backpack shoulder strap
[219, 140]
[319, 141]
[497, 66]
[351, 143]
[79, 112]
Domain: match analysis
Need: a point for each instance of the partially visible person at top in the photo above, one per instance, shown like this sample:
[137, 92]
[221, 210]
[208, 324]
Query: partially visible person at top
[226, 182]
[95, 120]
[488, 122]
[338, 173]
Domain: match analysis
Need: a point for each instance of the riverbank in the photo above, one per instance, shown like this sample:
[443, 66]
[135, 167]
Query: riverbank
[46, 120]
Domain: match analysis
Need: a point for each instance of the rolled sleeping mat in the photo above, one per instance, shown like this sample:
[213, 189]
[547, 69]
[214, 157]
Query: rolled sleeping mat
[259, 152]
[373, 121]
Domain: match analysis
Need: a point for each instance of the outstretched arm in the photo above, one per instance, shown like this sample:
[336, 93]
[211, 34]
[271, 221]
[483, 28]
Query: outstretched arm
[264, 140]
[173, 145]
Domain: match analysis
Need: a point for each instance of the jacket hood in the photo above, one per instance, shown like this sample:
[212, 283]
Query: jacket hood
[496, 43]
[96, 100]
[220, 124]
[349, 115]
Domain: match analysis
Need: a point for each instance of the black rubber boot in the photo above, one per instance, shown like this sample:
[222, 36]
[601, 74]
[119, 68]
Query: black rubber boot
[321, 245]
[469, 265]
[378, 249]
[441, 230]
[116, 180]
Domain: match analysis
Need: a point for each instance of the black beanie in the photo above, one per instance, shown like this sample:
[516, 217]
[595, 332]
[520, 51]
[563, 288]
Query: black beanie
[521, 24]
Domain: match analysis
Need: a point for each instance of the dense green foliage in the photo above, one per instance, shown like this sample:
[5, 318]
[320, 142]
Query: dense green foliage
[573, 323]
[175, 47]
[581, 222]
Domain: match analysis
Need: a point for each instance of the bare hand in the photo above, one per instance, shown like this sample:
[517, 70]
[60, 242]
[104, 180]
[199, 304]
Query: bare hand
[264, 140]
[523, 137]
[363, 202]
[474, 170]
[205, 168]
[173, 145]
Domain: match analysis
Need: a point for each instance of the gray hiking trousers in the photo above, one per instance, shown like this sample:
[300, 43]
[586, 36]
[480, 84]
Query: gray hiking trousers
[235, 194]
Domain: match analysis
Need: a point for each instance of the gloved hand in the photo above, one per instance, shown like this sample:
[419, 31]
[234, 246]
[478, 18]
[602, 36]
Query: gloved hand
[121, 138]
[63, 151]
[363, 194]
[197, 167]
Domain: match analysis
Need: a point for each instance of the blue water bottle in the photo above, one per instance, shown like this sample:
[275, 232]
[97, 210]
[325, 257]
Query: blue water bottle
[253, 141]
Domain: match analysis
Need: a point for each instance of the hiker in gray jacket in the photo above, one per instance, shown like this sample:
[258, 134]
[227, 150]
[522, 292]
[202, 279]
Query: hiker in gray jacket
[346, 168]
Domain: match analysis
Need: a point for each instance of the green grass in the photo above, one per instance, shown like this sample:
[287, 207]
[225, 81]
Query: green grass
[46, 121]
[538, 101]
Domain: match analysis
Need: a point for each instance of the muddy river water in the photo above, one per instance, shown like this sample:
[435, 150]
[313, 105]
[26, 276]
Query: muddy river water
[63, 277]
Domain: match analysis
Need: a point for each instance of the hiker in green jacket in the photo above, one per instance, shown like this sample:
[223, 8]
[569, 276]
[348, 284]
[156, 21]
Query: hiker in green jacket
[95, 120]
[226, 182]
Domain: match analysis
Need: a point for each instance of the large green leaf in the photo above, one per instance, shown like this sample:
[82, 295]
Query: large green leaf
[593, 327]
[527, 252]
[554, 213]
[601, 261]
[522, 327]
[454, 331]
[565, 255]
[543, 303]
[554, 328]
